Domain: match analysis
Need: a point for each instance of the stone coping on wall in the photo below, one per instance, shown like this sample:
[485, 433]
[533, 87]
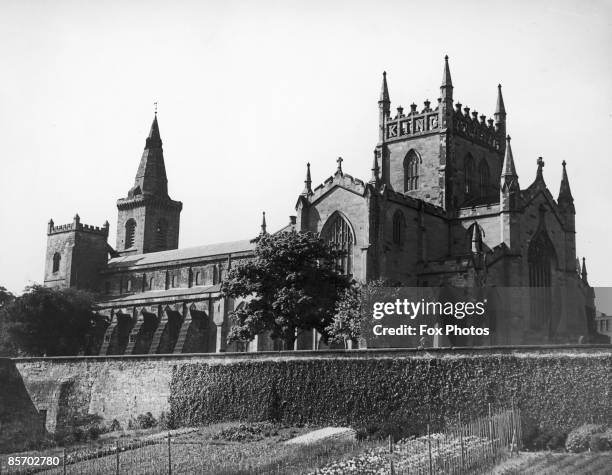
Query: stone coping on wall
[360, 353]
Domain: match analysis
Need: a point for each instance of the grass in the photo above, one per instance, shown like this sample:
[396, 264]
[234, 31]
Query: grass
[536, 463]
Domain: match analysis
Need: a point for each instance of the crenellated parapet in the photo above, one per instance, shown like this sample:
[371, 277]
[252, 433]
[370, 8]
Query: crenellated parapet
[477, 128]
[76, 225]
[414, 123]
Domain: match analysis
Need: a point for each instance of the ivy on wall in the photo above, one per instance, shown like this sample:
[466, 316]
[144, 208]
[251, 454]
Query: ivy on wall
[560, 391]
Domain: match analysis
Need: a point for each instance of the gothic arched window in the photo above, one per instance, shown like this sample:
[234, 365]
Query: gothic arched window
[130, 233]
[484, 178]
[411, 171]
[161, 234]
[468, 173]
[338, 232]
[541, 258]
[57, 258]
[198, 278]
[398, 227]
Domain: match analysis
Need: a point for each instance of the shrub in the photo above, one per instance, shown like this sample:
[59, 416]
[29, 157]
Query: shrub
[601, 442]
[558, 391]
[145, 421]
[579, 439]
[93, 433]
[166, 421]
[114, 426]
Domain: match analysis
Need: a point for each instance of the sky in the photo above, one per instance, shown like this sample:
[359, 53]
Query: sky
[249, 92]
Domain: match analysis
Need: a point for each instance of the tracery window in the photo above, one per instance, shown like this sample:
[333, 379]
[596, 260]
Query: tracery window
[338, 232]
[468, 173]
[411, 171]
[541, 259]
[484, 177]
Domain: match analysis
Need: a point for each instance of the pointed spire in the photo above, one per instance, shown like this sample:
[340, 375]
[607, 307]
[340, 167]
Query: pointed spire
[446, 75]
[584, 274]
[308, 182]
[446, 89]
[500, 109]
[375, 168]
[539, 172]
[263, 223]
[508, 169]
[384, 90]
[509, 179]
[565, 194]
[154, 139]
[151, 175]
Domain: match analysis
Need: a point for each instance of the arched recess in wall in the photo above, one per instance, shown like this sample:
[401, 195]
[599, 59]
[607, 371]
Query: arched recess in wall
[484, 179]
[399, 224]
[542, 260]
[338, 231]
[130, 233]
[57, 259]
[468, 175]
[161, 234]
[412, 161]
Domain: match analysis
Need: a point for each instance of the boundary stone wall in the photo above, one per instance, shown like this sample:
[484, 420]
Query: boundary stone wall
[123, 387]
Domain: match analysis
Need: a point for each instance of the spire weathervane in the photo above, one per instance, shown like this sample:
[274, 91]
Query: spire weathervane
[155, 104]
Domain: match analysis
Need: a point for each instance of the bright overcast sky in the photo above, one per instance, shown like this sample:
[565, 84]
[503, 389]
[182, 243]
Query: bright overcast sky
[249, 92]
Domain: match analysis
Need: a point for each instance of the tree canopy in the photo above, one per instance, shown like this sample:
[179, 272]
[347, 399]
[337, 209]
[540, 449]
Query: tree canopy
[45, 321]
[292, 284]
[351, 320]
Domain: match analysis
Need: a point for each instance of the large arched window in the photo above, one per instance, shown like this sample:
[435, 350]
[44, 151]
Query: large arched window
[468, 173]
[130, 233]
[338, 232]
[541, 258]
[57, 258]
[161, 234]
[398, 227]
[411, 171]
[484, 178]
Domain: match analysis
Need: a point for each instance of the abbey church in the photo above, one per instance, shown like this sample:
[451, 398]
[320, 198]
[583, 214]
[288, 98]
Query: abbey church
[443, 207]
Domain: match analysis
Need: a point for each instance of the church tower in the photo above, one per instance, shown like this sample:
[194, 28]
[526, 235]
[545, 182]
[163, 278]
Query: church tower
[148, 219]
[442, 154]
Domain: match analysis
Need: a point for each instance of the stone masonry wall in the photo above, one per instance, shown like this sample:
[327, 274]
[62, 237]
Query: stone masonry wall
[124, 387]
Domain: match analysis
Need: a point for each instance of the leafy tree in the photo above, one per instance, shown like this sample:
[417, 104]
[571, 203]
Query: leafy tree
[7, 347]
[292, 284]
[53, 322]
[6, 297]
[351, 318]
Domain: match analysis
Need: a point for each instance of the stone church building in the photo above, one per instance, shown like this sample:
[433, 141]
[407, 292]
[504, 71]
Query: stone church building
[443, 208]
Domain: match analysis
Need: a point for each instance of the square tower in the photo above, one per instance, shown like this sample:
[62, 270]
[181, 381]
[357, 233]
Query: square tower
[148, 219]
[443, 155]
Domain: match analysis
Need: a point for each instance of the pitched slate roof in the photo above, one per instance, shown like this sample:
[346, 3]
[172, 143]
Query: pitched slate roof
[181, 254]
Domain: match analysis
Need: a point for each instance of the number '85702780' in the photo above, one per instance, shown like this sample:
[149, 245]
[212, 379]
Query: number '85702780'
[33, 461]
